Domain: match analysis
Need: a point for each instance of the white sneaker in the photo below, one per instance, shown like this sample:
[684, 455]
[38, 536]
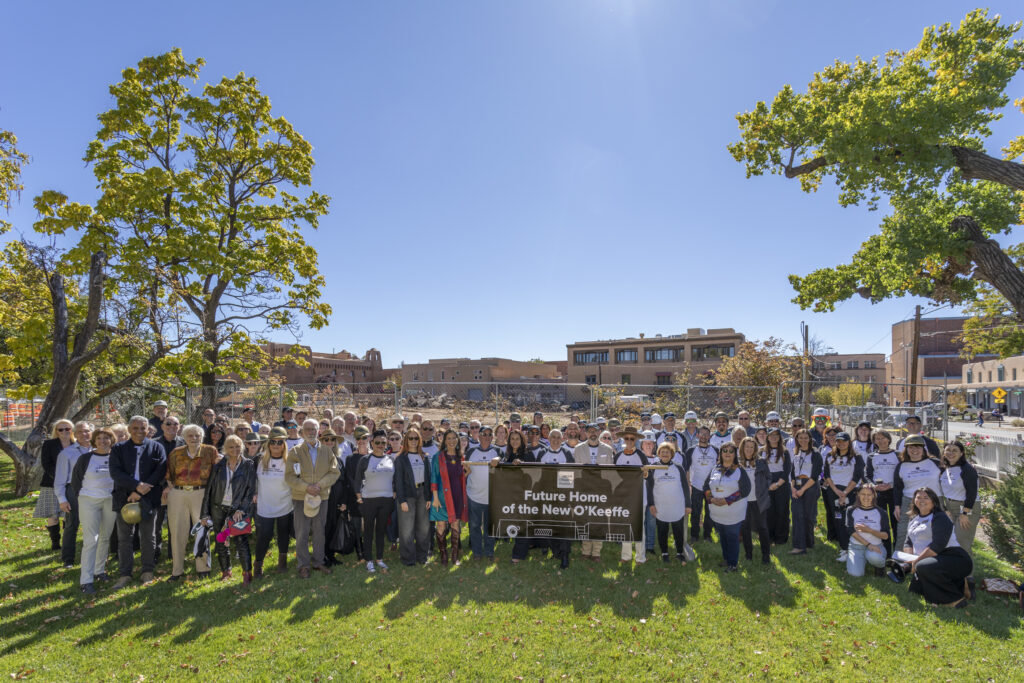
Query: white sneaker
[381, 565]
[841, 557]
[370, 568]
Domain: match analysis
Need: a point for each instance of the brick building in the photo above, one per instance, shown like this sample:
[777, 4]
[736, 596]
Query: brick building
[328, 368]
[650, 360]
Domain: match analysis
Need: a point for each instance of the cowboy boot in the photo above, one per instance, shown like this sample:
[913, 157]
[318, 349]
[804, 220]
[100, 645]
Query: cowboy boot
[442, 546]
[456, 549]
[257, 570]
[282, 563]
[246, 579]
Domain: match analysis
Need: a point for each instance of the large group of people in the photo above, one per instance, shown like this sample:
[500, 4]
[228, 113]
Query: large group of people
[344, 484]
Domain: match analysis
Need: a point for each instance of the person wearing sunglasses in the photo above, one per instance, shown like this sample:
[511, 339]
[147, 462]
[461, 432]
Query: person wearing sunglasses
[375, 492]
[215, 437]
[59, 455]
[689, 432]
[727, 490]
[630, 456]
[477, 490]
[273, 504]
[412, 475]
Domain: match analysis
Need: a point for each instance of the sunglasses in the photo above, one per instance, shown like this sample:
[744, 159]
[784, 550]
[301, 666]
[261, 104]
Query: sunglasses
[171, 424]
[414, 438]
[629, 438]
[329, 439]
[394, 438]
[362, 438]
[428, 429]
[64, 429]
[379, 442]
[276, 442]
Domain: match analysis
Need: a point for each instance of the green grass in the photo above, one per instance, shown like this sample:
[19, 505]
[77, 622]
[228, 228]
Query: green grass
[801, 616]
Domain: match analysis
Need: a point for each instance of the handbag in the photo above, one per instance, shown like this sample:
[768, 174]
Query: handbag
[239, 528]
[345, 538]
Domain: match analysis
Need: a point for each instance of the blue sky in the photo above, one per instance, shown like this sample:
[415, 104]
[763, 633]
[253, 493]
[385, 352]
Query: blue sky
[537, 172]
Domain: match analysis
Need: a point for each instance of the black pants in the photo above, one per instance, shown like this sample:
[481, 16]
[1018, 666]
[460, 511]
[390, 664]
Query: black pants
[70, 537]
[837, 514]
[755, 519]
[678, 533]
[700, 503]
[887, 503]
[375, 521]
[828, 501]
[218, 515]
[778, 514]
[161, 517]
[940, 579]
[126, 544]
[267, 528]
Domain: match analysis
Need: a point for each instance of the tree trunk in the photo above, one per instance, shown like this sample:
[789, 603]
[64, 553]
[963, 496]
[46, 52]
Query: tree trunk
[992, 264]
[975, 165]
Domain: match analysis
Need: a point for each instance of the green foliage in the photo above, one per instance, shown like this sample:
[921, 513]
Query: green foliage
[1005, 522]
[994, 326]
[197, 206]
[852, 394]
[887, 128]
[11, 162]
[825, 396]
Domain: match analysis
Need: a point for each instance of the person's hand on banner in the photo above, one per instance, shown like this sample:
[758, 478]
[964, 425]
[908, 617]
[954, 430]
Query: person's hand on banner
[495, 461]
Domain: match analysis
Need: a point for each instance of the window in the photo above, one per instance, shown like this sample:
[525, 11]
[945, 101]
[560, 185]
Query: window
[590, 379]
[590, 357]
[625, 356]
[1015, 374]
[430, 375]
[661, 355]
[835, 365]
[870, 364]
[1001, 373]
[478, 374]
[442, 375]
[713, 352]
[626, 379]
[851, 365]
[989, 375]
[663, 379]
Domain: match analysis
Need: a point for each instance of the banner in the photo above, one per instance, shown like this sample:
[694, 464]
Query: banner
[575, 502]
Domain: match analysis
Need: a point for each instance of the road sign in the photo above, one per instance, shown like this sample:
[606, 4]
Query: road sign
[1000, 400]
[999, 393]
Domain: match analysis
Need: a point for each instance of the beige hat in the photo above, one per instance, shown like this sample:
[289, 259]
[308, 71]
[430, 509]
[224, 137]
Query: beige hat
[311, 506]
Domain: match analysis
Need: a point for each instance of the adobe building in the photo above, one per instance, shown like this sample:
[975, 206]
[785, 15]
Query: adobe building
[651, 360]
[481, 370]
[979, 379]
[326, 368]
[939, 358]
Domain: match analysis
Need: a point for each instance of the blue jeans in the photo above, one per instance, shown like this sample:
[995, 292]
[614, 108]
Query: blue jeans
[650, 529]
[858, 556]
[480, 542]
[729, 537]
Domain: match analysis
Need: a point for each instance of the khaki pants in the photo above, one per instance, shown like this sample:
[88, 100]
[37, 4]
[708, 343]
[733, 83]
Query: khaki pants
[183, 511]
[592, 548]
[965, 537]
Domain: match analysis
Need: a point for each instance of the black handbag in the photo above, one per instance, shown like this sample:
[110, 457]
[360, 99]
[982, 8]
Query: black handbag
[346, 537]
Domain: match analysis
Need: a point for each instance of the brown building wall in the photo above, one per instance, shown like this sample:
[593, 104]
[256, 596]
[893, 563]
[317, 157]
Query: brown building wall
[938, 356]
[863, 368]
[478, 370]
[342, 367]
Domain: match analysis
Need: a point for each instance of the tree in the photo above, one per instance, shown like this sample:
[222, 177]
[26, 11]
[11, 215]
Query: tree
[760, 367]
[851, 394]
[908, 127]
[12, 161]
[1005, 520]
[194, 194]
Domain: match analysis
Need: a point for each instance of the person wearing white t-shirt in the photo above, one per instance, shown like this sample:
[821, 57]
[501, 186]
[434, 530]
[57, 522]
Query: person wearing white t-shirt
[478, 477]
[722, 434]
[630, 456]
[727, 489]
[702, 459]
[273, 504]
[916, 471]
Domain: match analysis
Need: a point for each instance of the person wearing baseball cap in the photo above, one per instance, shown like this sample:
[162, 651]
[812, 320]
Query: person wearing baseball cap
[689, 432]
[918, 470]
[248, 414]
[631, 457]
[159, 413]
[515, 422]
[843, 472]
[287, 413]
[820, 419]
[593, 452]
[722, 433]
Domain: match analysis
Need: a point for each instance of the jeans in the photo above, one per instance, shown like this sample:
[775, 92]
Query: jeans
[480, 541]
[729, 538]
[858, 555]
[266, 529]
[901, 527]
[965, 537]
[805, 513]
[650, 528]
[97, 517]
[375, 520]
[126, 545]
[414, 530]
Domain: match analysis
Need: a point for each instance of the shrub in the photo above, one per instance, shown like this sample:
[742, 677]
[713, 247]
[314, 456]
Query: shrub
[1005, 523]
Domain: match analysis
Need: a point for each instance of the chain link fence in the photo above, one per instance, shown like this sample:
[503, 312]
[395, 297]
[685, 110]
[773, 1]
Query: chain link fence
[495, 401]
[627, 401]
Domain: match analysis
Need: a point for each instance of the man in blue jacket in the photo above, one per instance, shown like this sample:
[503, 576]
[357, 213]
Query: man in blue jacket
[137, 467]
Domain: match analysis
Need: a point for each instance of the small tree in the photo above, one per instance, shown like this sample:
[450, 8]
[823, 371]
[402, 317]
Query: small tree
[1005, 522]
[825, 396]
[851, 394]
[763, 366]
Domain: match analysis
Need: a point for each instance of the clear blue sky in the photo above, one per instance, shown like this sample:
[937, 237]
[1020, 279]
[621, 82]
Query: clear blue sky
[539, 172]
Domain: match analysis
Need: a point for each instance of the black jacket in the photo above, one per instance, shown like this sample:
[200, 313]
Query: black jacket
[349, 475]
[243, 487]
[405, 479]
[152, 469]
[48, 459]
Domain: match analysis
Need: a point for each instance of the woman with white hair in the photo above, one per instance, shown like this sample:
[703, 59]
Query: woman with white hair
[188, 471]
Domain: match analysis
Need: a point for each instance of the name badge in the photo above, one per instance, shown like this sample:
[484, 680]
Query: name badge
[297, 468]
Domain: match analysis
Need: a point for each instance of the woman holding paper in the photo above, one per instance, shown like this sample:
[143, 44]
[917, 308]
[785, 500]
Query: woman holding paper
[940, 567]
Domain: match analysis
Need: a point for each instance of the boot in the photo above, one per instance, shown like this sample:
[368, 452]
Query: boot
[54, 536]
[246, 579]
[225, 575]
[442, 546]
[456, 549]
[282, 563]
[257, 570]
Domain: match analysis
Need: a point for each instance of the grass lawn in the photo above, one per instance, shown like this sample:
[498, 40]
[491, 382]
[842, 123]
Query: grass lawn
[800, 616]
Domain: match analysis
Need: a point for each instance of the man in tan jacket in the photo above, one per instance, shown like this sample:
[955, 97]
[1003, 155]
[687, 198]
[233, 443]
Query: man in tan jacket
[310, 470]
[593, 452]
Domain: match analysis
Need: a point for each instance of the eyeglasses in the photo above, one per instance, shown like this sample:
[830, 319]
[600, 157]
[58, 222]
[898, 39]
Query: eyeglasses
[629, 438]
[414, 438]
[171, 424]
[427, 429]
[394, 438]
[744, 418]
[325, 424]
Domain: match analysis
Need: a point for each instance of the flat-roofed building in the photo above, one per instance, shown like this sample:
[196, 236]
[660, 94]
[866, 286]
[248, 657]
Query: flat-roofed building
[653, 360]
[862, 368]
[325, 368]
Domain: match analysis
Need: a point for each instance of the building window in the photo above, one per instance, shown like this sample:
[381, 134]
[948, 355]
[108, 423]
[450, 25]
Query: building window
[870, 365]
[590, 379]
[626, 379]
[1001, 373]
[663, 379]
[989, 375]
[851, 365]
[478, 374]
[590, 357]
[625, 356]
[1015, 374]
[660, 355]
[442, 375]
[970, 376]
[835, 365]
[714, 352]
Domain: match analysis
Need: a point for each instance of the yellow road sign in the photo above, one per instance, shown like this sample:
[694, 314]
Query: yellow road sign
[999, 392]
[1000, 400]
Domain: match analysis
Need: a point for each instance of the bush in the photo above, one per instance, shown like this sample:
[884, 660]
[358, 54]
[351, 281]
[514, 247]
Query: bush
[1017, 422]
[1005, 523]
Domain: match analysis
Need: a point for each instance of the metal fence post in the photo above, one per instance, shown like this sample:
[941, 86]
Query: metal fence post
[280, 398]
[497, 403]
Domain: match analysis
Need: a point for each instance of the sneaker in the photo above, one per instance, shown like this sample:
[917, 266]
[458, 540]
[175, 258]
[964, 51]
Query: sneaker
[88, 589]
[68, 565]
[664, 558]
[370, 568]
[147, 578]
[122, 582]
[383, 567]
[841, 557]
[101, 577]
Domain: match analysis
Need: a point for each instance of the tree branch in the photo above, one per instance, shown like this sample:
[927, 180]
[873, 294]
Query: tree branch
[975, 165]
[993, 265]
[803, 169]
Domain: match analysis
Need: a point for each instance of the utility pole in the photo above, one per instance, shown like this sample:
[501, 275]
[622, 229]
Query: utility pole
[912, 375]
[803, 372]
